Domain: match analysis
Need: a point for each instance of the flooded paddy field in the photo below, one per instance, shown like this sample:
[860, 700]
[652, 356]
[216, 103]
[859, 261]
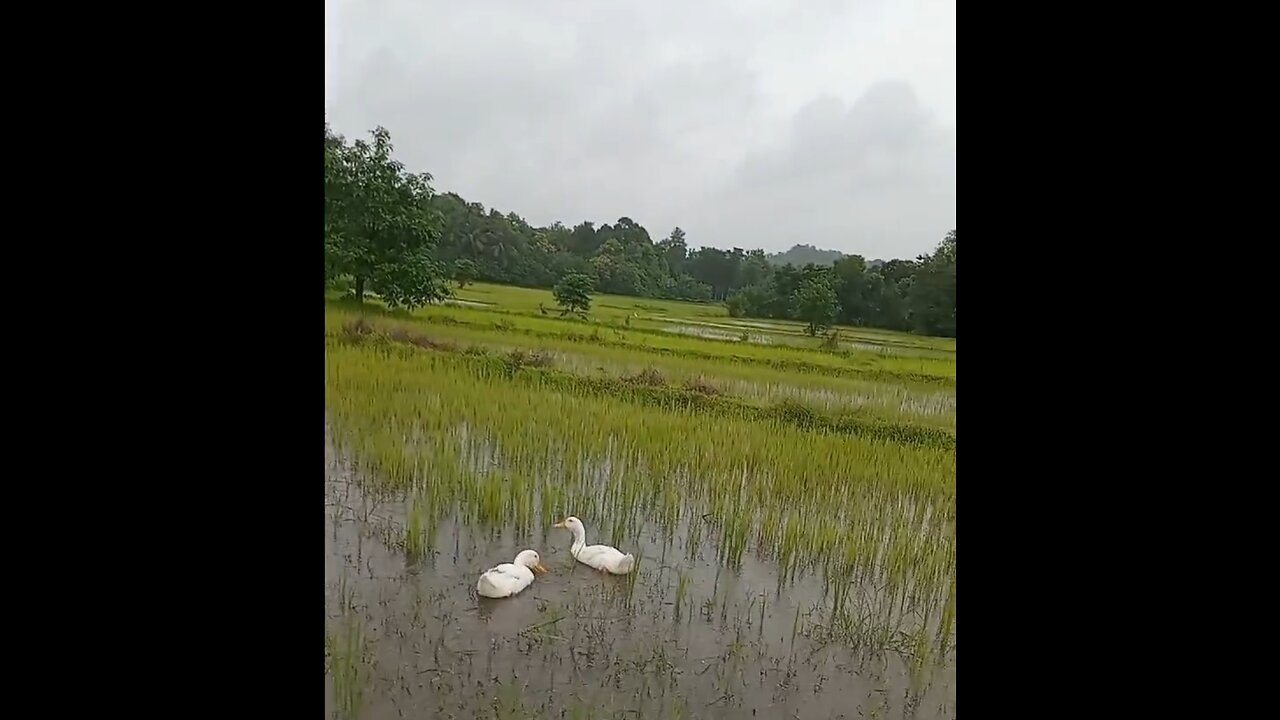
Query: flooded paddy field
[683, 637]
[766, 334]
[793, 560]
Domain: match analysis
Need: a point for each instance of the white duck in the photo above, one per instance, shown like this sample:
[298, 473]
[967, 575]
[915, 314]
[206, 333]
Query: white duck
[600, 557]
[510, 578]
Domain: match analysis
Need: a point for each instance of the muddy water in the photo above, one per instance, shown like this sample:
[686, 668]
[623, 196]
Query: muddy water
[410, 638]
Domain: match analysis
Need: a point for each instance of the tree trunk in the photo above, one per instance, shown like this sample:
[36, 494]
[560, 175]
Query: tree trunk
[360, 290]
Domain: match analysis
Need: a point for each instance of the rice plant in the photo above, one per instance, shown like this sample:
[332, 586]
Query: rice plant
[348, 666]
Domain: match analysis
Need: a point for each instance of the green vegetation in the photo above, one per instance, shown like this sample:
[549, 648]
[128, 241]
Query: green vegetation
[379, 228]
[573, 293]
[346, 663]
[778, 425]
[810, 504]
[464, 272]
[497, 425]
[815, 303]
[389, 229]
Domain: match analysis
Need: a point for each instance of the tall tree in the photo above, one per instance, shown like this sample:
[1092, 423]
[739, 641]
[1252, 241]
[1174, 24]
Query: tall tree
[815, 303]
[379, 228]
[931, 299]
[573, 293]
[851, 289]
[464, 272]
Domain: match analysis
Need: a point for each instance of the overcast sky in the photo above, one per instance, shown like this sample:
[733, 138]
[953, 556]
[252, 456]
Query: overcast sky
[748, 123]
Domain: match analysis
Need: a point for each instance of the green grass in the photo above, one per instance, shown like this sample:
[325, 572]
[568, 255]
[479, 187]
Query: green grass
[751, 382]
[612, 306]
[674, 316]
[680, 318]
[347, 666]
[565, 333]
[527, 301]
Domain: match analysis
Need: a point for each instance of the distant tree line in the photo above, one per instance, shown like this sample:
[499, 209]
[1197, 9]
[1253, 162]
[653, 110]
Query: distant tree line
[387, 230]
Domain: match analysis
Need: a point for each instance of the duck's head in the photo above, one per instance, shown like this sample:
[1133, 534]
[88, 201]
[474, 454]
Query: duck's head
[572, 524]
[531, 560]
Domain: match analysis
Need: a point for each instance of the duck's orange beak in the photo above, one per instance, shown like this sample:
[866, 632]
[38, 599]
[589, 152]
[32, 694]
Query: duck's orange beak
[560, 524]
[541, 568]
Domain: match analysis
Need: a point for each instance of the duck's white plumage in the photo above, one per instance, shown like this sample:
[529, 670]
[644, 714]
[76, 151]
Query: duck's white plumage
[510, 578]
[601, 557]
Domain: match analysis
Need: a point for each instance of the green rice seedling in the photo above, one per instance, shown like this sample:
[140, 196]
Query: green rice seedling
[694, 540]
[348, 666]
[795, 629]
[947, 626]
[631, 578]
[508, 702]
[682, 593]
[346, 595]
[418, 530]
[938, 370]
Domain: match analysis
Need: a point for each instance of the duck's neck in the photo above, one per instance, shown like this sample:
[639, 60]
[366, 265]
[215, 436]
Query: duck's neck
[579, 540]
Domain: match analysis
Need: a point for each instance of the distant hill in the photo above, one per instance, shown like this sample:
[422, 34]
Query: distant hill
[801, 255]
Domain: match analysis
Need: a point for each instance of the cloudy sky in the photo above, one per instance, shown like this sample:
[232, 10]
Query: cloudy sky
[749, 123]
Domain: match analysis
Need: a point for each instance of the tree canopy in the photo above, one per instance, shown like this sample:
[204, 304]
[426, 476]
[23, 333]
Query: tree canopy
[464, 271]
[815, 303]
[380, 227]
[573, 293]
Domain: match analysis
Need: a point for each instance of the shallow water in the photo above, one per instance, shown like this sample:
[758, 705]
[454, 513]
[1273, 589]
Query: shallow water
[714, 334]
[580, 644]
[466, 303]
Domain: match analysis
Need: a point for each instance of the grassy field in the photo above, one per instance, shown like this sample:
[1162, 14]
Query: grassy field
[791, 504]
[651, 313]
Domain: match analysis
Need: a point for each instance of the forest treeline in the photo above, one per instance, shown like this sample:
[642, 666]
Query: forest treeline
[388, 230]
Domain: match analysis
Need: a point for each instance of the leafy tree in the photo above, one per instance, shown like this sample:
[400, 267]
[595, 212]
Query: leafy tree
[675, 251]
[754, 268]
[931, 299]
[685, 287]
[615, 274]
[379, 229]
[464, 272]
[815, 302]
[888, 307]
[335, 182]
[584, 240]
[573, 293]
[852, 289]
[717, 268]
[750, 301]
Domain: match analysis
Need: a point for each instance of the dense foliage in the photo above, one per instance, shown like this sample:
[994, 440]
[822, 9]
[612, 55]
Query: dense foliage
[367, 241]
[380, 230]
[573, 293]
